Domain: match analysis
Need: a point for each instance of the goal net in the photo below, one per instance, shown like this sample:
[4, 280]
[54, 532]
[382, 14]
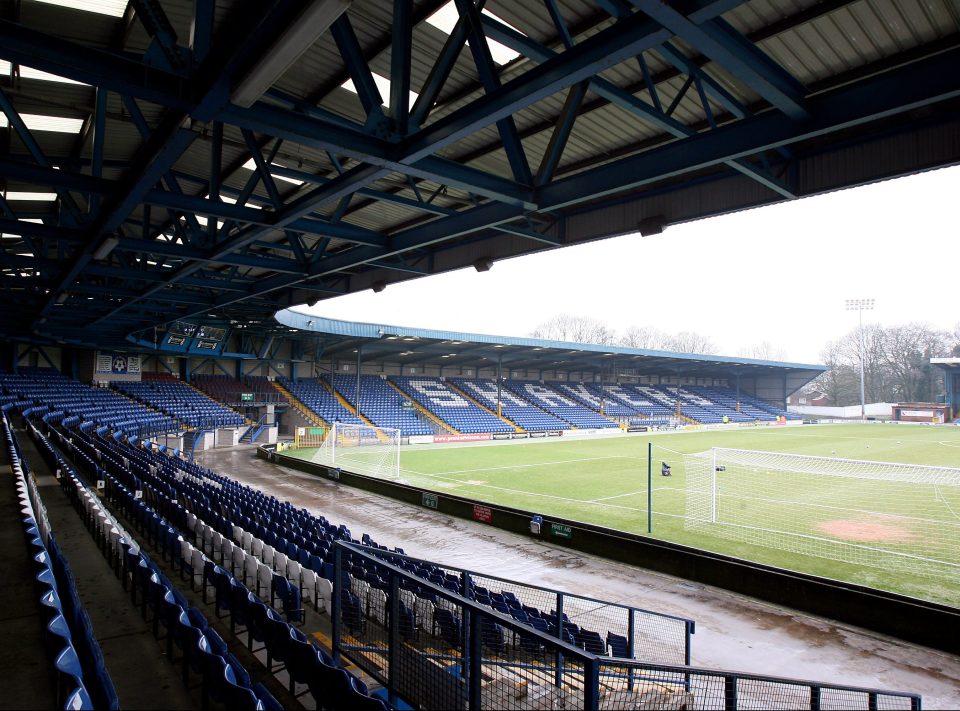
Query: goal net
[363, 449]
[900, 517]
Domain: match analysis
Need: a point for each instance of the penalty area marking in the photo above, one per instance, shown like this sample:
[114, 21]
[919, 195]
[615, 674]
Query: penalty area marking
[458, 482]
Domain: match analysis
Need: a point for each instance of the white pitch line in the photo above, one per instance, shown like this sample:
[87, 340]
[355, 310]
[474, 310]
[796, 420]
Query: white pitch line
[607, 498]
[528, 466]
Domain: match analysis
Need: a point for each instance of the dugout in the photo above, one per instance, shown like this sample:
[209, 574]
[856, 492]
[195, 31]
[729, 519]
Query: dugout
[921, 412]
[951, 385]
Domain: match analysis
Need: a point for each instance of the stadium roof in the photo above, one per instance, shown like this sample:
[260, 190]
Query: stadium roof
[415, 346]
[202, 159]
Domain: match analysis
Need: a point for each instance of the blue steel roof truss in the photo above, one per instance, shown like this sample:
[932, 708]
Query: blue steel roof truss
[134, 242]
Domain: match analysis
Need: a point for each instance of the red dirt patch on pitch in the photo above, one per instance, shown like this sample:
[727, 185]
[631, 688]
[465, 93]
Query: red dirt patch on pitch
[866, 531]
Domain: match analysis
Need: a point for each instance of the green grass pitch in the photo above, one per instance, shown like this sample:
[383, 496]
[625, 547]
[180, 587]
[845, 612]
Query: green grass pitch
[603, 481]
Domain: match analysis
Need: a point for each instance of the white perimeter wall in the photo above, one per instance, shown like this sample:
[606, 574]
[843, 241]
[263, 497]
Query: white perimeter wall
[873, 409]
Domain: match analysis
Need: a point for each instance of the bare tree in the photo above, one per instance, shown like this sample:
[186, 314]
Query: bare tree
[575, 329]
[691, 342]
[763, 351]
[907, 351]
[645, 337]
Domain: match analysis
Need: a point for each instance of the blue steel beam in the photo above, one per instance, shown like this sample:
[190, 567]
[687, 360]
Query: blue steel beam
[201, 29]
[68, 205]
[99, 140]
[737, 55]
[163, 36]
[246, 36]
[919, 84]
[316, 133]
[627, 101]
[440, 71]
[213, 187]
[909, 87]
[560, 135]
[400, 53]
[263, 169]
[490, 80]
[357, 67]
[109, 70]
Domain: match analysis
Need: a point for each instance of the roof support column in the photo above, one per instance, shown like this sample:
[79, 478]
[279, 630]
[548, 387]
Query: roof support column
[499, 382]
[356, 400]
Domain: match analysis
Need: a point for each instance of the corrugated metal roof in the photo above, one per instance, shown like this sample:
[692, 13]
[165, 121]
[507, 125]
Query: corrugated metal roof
[772, 58]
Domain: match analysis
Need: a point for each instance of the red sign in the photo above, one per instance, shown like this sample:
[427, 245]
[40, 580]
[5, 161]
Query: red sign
[484, 514]
[461, 438]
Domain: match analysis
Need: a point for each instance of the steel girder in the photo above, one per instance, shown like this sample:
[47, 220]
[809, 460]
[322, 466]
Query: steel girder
[135, 239]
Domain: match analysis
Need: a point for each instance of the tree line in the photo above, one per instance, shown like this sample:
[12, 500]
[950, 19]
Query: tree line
[896, 358]
[896, 364]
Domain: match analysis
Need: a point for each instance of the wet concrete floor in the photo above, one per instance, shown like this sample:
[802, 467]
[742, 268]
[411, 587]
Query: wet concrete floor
[733, 631]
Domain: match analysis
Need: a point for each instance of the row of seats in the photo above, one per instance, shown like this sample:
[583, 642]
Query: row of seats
[45, 391]
[296, 534]
[460, 413]
[203, 651]
[228, 390]
[216, 548]
[381, 403]
[318, 398]
[81, 680]
[182, 402]
[554, 402]
[516, 409]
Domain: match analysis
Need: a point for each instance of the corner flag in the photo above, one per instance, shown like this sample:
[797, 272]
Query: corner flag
[664, 469]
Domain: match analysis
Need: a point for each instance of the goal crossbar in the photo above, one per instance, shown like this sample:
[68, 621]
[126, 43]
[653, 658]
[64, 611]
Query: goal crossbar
[363, 449]
[897, 516]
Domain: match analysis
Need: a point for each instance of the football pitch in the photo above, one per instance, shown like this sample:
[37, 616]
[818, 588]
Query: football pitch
[603, 481]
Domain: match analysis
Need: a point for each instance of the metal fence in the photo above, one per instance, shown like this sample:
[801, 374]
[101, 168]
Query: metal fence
[626, 684]
[437, 649]
[600, 626]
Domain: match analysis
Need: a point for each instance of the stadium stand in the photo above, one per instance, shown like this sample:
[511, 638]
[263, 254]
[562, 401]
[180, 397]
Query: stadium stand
[382, 404]
[58, 398]
[320, 400]
[515, 408]
[229, 391]
[547, 398]
[169, 395]
[461, 413]
[648, 400]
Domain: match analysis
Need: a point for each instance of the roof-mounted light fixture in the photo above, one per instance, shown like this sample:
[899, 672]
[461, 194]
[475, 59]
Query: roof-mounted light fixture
[300, 36]
[653, 225]
[483, 264]
[378, 286]
[106, 247]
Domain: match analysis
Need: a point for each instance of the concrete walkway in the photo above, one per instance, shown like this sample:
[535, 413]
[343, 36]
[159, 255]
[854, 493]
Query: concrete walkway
[25, 670]
[142, 675]
[733, 631]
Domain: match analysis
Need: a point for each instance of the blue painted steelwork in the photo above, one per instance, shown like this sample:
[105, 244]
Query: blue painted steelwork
[443, 204]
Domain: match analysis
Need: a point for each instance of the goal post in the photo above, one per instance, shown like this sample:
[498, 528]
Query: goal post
[363, 449]
[901, 517]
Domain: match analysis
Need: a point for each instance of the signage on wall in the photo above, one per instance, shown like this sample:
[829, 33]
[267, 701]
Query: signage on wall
[483, 514]
[118, 364]
[430, 500]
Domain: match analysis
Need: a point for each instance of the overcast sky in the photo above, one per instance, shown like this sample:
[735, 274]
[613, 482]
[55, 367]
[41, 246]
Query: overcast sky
[779, 274]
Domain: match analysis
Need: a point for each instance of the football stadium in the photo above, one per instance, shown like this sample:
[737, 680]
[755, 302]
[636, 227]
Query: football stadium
[219, 496]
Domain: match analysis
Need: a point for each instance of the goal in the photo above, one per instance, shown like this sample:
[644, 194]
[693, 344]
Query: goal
[362, 449]
[900, 517]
